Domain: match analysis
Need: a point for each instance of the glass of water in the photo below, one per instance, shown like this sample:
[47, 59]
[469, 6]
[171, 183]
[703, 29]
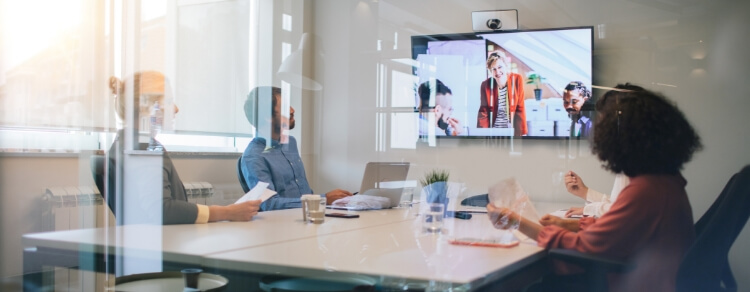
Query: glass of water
[406, 198]
[433, 218]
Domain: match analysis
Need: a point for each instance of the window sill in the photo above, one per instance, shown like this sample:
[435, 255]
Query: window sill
[72, 153]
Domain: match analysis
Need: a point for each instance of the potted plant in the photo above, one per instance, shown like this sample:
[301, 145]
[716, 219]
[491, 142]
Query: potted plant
[536, 79]
[435, 184]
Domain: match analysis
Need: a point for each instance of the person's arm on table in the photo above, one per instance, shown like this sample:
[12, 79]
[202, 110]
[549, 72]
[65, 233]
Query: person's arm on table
[504, 218]
[277, 202]
[236, 212]
[573, 211]
[569, 224]
[629, 223]
[256, 170]
[336, 194]
[596, 209]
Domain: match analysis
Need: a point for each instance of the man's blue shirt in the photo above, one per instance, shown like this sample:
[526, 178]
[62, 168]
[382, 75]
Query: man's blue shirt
[281, 167]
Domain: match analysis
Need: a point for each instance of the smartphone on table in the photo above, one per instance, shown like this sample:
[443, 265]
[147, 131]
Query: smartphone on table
[342, 215]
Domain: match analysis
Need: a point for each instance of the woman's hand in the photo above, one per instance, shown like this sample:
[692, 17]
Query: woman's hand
[569, 224]
[502, 218]
[548, 220]
[235, 212]
[573, 211]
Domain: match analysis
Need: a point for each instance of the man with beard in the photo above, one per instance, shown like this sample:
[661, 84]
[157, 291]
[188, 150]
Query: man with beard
[276, 161]
[574, 96]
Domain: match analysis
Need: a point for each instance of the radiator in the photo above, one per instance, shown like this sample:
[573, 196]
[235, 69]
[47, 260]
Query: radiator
[83, 207]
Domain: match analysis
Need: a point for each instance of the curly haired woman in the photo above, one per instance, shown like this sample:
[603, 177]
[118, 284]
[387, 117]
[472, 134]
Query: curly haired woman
[643, 135]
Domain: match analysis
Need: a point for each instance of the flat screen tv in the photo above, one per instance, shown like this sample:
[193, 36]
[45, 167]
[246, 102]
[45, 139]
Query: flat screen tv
[506, 83]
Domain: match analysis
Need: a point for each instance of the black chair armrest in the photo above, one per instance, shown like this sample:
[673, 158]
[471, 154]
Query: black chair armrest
[477, 201]
[590, 261]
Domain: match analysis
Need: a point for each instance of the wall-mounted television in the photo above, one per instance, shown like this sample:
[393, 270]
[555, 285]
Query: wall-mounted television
[529, 83]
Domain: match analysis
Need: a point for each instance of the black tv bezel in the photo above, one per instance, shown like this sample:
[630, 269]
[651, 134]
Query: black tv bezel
[424, 39]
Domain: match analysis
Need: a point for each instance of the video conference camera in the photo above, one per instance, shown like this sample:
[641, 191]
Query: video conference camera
[494, 20]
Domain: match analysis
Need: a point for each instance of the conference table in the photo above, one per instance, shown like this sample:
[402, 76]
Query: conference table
[388, 247]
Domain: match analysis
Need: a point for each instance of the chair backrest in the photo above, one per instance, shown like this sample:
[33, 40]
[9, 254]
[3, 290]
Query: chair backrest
[706, 266]
[243, 183]
[98, 165]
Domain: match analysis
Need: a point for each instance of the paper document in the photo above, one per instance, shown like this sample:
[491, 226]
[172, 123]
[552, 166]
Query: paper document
[259, 192]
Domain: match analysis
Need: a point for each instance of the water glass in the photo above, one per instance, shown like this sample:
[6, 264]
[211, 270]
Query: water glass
[406, 199]
[433, 218]
[305, 215]
[316, 209]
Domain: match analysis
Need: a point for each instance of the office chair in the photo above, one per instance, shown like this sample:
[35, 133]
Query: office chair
[476, 201]
[243, 183]
[705, 266]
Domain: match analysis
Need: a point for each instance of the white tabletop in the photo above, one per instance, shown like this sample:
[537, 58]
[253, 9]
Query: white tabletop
[385, 243]
[188, 242]
[394, 252]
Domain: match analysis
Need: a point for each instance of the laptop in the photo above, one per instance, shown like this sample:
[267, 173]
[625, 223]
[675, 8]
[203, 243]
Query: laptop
[383, 179]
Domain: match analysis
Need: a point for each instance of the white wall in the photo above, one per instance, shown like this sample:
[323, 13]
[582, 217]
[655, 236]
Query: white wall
[644, 42]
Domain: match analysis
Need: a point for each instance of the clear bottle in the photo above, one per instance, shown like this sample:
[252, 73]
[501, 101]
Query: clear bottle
[156, 117]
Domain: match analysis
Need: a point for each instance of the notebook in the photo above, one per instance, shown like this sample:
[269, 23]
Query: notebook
[383, 179]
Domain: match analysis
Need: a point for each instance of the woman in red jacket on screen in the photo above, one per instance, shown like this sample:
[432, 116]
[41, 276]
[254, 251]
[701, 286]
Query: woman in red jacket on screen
[646, 137]
[502, 102]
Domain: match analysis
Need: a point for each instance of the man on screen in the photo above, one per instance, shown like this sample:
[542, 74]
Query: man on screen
[574, 96]
[276, 161]
[442, 109]
[502, 97]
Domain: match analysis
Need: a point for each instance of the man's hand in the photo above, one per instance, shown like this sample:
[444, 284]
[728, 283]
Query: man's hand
[335, 195]
[502, 218]
[573, 211]
[575, 185]
[456, 125]
[236, 212]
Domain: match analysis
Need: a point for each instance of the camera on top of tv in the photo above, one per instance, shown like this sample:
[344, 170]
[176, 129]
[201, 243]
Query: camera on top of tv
[494, 20]
[494, 24]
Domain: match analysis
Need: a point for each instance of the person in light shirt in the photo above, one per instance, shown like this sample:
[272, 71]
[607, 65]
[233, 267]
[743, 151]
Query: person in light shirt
[145, 89]
[597, 203]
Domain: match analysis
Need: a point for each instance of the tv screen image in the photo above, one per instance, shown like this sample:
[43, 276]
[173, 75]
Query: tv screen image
[530, 83]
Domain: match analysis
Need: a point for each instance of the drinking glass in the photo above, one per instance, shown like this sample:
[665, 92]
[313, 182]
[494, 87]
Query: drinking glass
[433, 218]
[406, 198]
[316, 209]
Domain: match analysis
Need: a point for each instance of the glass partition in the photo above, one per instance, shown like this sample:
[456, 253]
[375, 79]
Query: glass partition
[108, 106]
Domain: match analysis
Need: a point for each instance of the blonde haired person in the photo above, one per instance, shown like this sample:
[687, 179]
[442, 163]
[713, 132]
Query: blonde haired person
[502, 97]
[147, 88]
